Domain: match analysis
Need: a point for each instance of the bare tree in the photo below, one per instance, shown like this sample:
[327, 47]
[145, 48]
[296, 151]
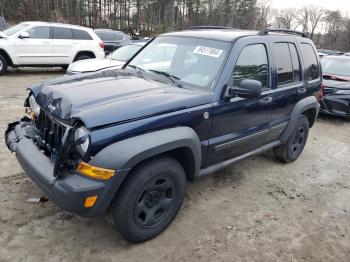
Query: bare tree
[316, 14]
[287, 17]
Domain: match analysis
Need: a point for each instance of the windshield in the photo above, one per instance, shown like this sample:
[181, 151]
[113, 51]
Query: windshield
[110, 36]
[13, 30]
[336, 66]
[124, 53]
[191, 61]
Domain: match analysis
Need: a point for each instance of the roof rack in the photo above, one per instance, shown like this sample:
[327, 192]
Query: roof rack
[278, 30]
[210, 27]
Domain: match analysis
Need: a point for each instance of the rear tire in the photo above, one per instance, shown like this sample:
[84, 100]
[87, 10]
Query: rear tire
[3, 65]
[149, 199]
[292, 148]
[82, 57]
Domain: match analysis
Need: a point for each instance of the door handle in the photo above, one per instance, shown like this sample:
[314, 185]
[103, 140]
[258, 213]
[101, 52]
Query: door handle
[265, 100]
[301, 90]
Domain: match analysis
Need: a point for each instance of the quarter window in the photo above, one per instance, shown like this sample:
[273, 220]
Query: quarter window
[252, 63]
[310, 62]
[81, 35]
[62, 33]
[39, 32]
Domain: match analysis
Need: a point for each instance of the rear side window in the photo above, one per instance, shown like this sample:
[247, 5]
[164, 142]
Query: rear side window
[110, 36]
[252, 64]
[39, 32]
[62, 33]
[310, 62]
[287, 63]
[81, 35]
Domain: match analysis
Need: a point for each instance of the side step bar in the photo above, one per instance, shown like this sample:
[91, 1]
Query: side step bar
[211, 169]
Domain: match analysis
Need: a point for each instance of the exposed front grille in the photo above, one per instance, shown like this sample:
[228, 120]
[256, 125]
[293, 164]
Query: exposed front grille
[51, 132]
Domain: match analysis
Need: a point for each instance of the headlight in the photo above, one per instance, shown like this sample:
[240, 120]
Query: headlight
[81, 140]
[34, 105]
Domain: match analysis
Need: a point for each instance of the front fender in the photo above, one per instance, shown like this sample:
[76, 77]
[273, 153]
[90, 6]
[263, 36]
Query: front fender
[127, 153]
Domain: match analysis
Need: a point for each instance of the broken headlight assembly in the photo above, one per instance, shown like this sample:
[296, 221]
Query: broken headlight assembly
[33, 105]
[81, 140]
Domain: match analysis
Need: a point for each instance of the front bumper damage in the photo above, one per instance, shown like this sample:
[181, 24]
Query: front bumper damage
[336, 104]
[70, 189]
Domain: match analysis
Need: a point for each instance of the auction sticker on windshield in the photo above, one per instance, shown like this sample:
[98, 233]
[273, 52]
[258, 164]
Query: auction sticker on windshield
[208, 51]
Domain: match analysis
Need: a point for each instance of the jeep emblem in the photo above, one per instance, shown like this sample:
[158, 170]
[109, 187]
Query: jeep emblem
[206, 115]
[51, 107]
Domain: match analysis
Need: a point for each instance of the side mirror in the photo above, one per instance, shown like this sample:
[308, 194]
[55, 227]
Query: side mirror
[247, 89]
[23, 35]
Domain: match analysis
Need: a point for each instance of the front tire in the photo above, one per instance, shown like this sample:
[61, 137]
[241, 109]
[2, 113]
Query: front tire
[149, 199]
[292, 148]
[3, 65]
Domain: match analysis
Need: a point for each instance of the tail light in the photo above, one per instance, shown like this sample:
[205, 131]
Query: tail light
[320, 93]
[102, 45]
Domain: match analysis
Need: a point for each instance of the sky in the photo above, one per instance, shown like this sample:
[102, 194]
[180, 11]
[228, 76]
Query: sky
[342, 5]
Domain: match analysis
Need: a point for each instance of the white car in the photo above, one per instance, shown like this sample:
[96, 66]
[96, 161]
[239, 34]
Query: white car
[115, 60]
[47, 44]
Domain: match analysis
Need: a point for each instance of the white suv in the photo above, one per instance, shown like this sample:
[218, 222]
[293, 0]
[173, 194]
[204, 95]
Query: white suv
[47, 44]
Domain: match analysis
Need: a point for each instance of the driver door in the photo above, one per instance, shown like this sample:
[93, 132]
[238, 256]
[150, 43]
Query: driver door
[35, 50]
[241, 125]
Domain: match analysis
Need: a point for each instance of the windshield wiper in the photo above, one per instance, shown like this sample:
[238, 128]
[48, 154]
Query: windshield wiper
[139, 70]
[173, 78]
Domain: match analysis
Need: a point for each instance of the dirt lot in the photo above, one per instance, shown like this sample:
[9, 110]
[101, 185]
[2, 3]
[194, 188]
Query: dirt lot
[257, 210]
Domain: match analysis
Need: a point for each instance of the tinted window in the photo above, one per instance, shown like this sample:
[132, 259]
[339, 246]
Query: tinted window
[283, 62]
[251, 64]
[39, 32]
[62, 33]
[110, 36]
[310, 62]
[295, 62]
[81, 34]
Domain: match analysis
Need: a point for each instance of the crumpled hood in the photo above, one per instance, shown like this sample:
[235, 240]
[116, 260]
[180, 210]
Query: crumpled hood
[336, 84]
[91, 65]
[113, 96]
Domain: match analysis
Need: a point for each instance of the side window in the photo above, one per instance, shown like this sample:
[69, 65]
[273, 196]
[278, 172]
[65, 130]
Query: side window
[283, 63]
[310, 62]
[81, 35]
[252, 63]
[295, 62]
[39, 32]
[62, 33]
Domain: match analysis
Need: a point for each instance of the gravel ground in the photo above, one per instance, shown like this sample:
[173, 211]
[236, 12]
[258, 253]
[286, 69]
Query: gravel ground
[256, 210]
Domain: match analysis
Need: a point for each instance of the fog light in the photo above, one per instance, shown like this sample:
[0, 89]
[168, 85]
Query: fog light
[90, 201]
[94, 171]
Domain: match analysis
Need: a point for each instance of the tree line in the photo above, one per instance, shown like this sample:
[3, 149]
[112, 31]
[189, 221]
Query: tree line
[329, 29]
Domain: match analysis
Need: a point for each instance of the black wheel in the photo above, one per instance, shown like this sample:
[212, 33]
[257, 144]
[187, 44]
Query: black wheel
[64, 67]
[291, 150]
[3, 65]
[149, 199]
[82, 57]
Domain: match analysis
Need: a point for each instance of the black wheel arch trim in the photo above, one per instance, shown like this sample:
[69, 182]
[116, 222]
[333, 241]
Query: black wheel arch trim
[300, 108]
[129, 152]
[7, 57]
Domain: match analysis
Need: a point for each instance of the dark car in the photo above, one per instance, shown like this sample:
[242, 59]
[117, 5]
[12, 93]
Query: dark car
[124, 143]
[112, 39]
[336, 90]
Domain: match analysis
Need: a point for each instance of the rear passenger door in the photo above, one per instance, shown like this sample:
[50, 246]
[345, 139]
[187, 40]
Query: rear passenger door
[288, 85]
[63, 45]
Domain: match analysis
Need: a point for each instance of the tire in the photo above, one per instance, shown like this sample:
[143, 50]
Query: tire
[3, 65]
[292, 148]
[149, 199]
[82, 57]
[64, 67]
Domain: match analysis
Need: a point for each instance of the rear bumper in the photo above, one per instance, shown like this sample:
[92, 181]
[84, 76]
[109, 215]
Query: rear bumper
[70, 189]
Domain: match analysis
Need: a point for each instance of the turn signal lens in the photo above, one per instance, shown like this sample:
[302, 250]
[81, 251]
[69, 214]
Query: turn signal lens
[95, 172]
[102, 45]
[90, 201]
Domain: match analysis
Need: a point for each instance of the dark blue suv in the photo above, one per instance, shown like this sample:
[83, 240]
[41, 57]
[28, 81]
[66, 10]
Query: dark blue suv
[124, 143]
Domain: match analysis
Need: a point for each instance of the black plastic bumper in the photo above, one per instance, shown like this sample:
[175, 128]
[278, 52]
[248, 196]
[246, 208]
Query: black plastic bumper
[70, 189]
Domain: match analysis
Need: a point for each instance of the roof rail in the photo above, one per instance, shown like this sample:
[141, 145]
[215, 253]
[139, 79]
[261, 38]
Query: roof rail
[210, 27]
[279, 30]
